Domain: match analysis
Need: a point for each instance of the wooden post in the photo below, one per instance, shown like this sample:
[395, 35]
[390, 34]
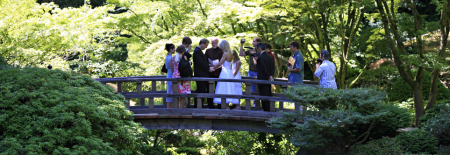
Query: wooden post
[248, 91]
[139, 91]
[284, 89]
[211, 87]
[223, 106]
[199, 102]
[297, 107]
[153, 85]
[119, 87]
[128, 103]
[272, 106]
[151, 102]
[175, 90]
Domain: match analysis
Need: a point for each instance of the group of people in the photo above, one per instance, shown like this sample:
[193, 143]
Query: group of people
[220, 61]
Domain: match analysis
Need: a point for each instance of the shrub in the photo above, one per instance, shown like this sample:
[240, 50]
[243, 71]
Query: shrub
[401, 90]
[193, 142]
[172, 139]
[387, 125]
[438, 122]
[331, 118]
[384, 145]
[188, 151]
[383, 77]
[46, 111]
[418, 141]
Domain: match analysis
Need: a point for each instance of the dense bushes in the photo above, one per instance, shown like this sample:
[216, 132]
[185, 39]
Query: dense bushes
[438, 122]
[401, 90]
[383, 77]
[384, 145]
[54, 112]
[331, 117]
[418, 141]
[394, 119]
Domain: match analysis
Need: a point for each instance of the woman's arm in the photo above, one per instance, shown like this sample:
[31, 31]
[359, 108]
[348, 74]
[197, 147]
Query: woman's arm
[222, 60]
[171, 64]
[238, 66]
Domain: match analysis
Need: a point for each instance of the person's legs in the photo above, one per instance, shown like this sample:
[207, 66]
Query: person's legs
[264, 90]
[252, 74]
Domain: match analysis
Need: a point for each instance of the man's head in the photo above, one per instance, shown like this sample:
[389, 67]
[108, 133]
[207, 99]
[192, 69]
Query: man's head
[203, 43]
[324, 55]
[214, 42]
[186, 42]
[256, 40]
[260, 47]
[293, 46]
[268, 47]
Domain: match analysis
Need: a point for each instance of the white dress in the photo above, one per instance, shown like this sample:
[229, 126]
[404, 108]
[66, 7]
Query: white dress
[238, 76]
[226, 87]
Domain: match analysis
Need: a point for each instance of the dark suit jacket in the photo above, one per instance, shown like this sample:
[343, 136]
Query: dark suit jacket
[265, 66]
[201, 65]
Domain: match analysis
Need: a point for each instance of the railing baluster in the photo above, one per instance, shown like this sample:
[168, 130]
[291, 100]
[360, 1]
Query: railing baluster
[248, 91]
[272, 106]
[199, 102]
[128, 103]
[151, 102]
[153, 85]
[119, 87]
[139, 91]
[223, 100]
[175, 90]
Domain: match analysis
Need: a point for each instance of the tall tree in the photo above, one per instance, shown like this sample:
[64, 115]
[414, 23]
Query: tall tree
[402, 59]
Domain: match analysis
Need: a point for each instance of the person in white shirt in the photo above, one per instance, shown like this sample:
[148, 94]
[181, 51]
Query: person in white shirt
[326, 71]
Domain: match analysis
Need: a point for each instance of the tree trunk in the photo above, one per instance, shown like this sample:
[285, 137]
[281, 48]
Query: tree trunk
[445, 26]
[418, 102]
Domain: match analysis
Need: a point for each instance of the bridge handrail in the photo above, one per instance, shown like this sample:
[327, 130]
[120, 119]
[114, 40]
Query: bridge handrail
[247, 94]
[277, 81]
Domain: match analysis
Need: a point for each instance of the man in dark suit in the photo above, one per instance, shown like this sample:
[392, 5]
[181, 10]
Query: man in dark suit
[201, 67]
[265, 69]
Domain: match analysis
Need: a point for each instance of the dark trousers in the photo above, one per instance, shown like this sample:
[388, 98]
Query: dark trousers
[202, 87]
[210, 100]
[264, 90]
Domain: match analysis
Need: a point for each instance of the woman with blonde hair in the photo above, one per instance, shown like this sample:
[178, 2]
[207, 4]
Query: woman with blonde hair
[228, 88]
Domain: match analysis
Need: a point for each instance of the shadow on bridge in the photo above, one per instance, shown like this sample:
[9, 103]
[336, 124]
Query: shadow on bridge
[250, 118]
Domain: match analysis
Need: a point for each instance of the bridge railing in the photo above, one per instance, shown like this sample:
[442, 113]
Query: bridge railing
[247, 94]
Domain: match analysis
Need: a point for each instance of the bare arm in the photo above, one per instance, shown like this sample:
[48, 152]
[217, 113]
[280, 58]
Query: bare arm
[171, 64]
[222, 60]
[241, 51]
[238, 66]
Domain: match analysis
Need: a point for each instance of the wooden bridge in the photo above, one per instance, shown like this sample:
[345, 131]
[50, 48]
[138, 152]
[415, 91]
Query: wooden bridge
[249, 118]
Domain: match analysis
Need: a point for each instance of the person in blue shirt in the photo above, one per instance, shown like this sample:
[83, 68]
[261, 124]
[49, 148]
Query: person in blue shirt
[170, 50]
[296, 70]
[326, 71]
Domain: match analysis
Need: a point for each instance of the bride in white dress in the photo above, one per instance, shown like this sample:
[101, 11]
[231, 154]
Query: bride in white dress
[226, 73]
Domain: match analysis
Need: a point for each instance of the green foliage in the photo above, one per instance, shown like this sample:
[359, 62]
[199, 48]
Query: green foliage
[394, 119]
[193, 142]
[384, 145]
[383, 77]
[46, 111]
[418, 141]
[242, 142]
[331, 116]
[172, 139]
[188, 151]
[401, 90]
[437, 122]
